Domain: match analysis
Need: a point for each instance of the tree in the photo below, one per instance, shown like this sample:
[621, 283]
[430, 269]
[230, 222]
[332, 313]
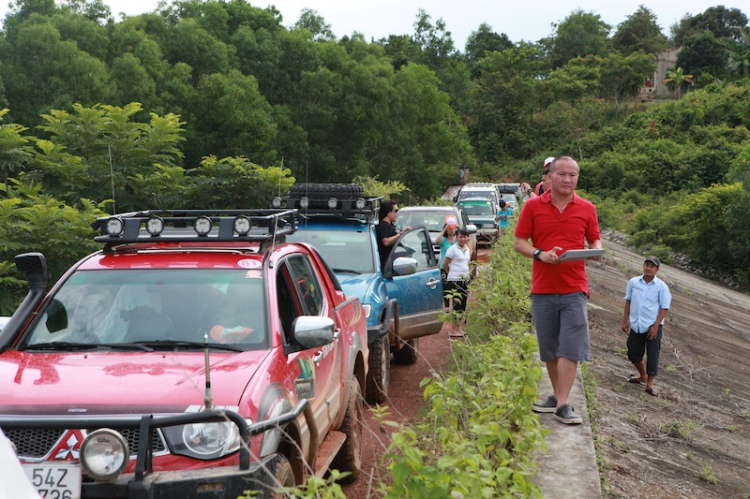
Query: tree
[739, 55]
[624, 75]
[434, 40]
[313, 22]
[483, 41]
[720, 21]
[639, 31]
[677, 79]
[579, 35]
[703, 53]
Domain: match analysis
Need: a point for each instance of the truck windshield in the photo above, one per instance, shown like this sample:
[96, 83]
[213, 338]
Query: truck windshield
[343, 250]
[164, 307]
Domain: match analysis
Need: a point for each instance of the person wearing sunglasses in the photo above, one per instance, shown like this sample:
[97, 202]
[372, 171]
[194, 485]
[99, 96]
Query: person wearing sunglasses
[386, 231]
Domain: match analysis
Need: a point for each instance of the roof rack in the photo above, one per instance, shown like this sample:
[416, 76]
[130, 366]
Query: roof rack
[363, 207]
[207, 226]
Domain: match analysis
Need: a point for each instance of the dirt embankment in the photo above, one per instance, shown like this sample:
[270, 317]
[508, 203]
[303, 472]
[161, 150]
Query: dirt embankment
[693, 440]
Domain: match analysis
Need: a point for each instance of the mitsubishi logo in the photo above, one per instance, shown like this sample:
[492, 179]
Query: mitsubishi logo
[68, 446]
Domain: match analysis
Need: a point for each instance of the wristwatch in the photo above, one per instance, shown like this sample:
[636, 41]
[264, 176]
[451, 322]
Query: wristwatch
[536, 254]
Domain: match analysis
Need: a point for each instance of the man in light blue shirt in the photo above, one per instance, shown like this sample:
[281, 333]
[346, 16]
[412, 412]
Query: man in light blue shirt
[647, 300]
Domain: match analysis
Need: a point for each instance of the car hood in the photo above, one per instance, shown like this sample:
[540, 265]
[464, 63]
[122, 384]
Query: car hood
[120, 383]
[356, 284]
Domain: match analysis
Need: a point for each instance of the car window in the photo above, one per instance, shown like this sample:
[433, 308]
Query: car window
[433, 220]
[478, 209]
[307, 285]
[343, 250]
[416, 245]
[126, 306]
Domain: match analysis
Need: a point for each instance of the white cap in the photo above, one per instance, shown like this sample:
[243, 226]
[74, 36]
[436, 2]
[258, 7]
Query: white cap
[548, 161]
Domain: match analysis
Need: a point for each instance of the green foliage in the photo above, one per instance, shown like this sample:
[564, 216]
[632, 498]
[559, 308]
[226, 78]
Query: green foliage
[639, 32]
[479, 437]
[34, 222]
[578, 35]
[702, 53]
[720, 21]
[374, 187]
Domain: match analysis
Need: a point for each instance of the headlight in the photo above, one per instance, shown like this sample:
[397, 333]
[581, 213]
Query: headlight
[360, 204]
[276, 203]
[304, 203]
[104, 455]
[205, 441]
[368, 309]
[332, 203]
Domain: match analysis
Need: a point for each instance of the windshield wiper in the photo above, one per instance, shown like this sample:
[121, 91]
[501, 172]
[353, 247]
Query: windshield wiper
[350, 271]
[186, 344]
[61, 345]
[127, 346]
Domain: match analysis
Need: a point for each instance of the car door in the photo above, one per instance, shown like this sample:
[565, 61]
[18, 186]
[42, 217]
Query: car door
[300, 293]
[417, 286]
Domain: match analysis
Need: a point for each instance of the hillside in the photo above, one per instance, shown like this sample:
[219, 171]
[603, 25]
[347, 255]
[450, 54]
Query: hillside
[693, 440]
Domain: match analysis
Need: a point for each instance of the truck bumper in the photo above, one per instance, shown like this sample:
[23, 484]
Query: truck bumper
[194, 484]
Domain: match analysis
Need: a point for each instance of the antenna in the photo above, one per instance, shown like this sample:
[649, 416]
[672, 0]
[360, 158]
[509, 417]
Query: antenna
[208, 397]
[112, 180]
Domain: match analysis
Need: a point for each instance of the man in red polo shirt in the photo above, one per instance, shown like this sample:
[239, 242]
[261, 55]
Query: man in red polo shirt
[557, 221]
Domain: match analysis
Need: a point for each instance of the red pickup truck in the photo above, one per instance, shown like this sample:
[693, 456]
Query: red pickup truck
[196, 355]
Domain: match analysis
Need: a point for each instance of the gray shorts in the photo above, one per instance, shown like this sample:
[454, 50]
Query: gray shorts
[562, 326]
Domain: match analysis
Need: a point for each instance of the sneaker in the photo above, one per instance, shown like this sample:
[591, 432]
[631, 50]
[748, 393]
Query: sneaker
[547, 405]
[566, 415]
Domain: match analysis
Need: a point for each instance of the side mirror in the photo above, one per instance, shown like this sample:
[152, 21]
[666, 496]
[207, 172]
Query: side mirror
[471, 229]
[404, 266]
[313, 331]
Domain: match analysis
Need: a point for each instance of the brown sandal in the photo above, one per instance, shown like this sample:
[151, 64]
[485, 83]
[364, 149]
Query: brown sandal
[652, 392]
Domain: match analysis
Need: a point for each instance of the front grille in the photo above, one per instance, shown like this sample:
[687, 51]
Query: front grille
[35, 444]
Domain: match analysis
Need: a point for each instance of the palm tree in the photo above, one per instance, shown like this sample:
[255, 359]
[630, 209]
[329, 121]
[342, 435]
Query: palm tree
[739, 56]
[676, 79]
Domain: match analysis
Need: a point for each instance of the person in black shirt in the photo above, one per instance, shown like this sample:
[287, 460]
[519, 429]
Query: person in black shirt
[386, 231]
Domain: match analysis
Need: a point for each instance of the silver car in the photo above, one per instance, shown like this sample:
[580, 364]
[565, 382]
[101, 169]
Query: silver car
[433, 217]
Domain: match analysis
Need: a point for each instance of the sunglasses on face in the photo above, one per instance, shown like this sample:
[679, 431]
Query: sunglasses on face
[395, 210]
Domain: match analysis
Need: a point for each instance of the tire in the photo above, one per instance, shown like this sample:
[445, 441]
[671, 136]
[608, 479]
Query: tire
[340, 191]
[349, 457]
[379, 373]
[409, 353]
[282, 476]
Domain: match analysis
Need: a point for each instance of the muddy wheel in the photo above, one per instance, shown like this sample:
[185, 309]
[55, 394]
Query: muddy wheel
[281, 476]
[409, 353]
[349, 457]
[379, 374]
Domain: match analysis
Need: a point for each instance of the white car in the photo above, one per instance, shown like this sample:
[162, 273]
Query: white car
[13, 481]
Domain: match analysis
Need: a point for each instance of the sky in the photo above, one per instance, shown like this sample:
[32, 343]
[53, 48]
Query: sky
[528, 20]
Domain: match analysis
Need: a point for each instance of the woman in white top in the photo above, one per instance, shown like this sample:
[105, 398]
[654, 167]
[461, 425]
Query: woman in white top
[456, 265]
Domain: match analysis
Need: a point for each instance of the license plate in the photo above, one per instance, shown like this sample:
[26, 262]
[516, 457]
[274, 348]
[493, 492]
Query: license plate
[55, 481]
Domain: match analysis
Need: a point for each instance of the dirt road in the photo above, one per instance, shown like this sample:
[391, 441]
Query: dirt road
[691, 441]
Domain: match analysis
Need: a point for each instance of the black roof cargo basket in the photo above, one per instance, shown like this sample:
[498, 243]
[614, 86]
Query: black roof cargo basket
[343, 200]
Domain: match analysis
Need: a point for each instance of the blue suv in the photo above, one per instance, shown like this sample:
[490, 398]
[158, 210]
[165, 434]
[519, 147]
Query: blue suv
[402, 300]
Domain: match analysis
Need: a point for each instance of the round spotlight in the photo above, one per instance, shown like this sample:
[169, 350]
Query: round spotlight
[332, 203]
[104, 454]
[304, 203]
[154, 225]
[242, 225]
[276, 203]
[360, 204]
[203, 226]
[115, 226]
